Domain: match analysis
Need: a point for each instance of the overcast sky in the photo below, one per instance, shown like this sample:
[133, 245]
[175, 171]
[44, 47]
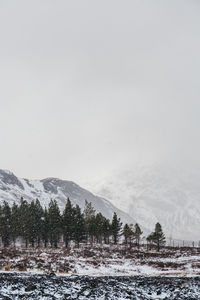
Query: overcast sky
[91, 86]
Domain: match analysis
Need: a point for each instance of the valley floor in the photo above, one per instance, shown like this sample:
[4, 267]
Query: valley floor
[103, 261]
[101, 272]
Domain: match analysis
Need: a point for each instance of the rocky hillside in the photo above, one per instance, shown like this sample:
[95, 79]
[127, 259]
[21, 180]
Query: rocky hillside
[13, 188]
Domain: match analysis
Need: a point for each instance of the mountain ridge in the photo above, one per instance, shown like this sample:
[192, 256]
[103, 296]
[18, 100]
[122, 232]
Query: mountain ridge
[12, 188]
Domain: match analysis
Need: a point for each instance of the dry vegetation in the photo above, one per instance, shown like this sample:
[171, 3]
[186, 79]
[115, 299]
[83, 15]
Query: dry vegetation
[70, 261]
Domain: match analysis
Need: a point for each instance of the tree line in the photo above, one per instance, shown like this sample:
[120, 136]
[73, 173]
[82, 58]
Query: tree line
[37, 225]
[133, 234]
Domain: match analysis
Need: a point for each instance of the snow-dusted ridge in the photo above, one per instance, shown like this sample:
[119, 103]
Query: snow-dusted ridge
[12, 188]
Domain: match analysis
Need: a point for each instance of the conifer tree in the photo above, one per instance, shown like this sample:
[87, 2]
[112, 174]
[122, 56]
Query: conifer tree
[116, 227]
[89, 217]
[78, 225]
[67, 222]
[157, 237]
[137, 233]
[15, 225]
[39, 214]
[90, 229]
[89, 210]
[5, 224]
[32, 224]
[24, 220]
[54, 218]
[35, 222]
[128, 234]
[99, 222]
[45, 228]
[106, 230]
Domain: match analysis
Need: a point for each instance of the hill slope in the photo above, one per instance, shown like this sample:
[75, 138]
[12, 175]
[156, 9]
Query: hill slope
[158, 193]
[13, 188]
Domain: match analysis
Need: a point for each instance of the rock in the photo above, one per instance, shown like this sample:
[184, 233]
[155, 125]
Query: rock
[30, 287]
[52, 274]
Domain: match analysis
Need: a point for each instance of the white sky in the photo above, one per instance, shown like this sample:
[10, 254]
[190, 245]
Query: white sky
[90, 86]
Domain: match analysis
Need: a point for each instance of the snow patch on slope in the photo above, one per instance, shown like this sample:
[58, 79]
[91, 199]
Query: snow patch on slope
[13, 188]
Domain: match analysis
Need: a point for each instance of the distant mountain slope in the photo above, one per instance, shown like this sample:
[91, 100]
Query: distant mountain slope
[13, 188]
[161, 193]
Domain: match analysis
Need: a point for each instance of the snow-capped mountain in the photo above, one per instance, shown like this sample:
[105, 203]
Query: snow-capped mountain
[170, 195]
[13, 188]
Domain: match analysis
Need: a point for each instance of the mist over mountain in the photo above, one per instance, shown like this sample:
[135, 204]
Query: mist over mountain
[158, 193]
[148, 194]
[13, 188]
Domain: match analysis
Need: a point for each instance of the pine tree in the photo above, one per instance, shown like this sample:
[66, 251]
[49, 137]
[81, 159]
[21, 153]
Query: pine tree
[128, 234]
[54, 218]
[106, 230]
[39, 214]
[138, 233]
[89, 210]
[116, 227]
[90, 229]
[5, 224]
[32, 224]
[24, 220]
[45, 228]
[157, 237]
[78, 226]
[89, 217]
[35, 222]
[99, 223]
[67, 222]
[15, 225]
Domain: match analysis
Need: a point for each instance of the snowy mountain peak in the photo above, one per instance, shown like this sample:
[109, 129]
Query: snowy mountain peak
[8, 178]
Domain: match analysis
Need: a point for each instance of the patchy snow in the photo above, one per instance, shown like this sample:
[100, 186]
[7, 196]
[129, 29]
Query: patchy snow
[102, 261]
[99, 272]
[40, 287]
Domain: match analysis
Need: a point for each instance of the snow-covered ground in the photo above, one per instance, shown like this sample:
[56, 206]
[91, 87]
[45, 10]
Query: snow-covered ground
[101, 272]
[47, 287]
[103, 261]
